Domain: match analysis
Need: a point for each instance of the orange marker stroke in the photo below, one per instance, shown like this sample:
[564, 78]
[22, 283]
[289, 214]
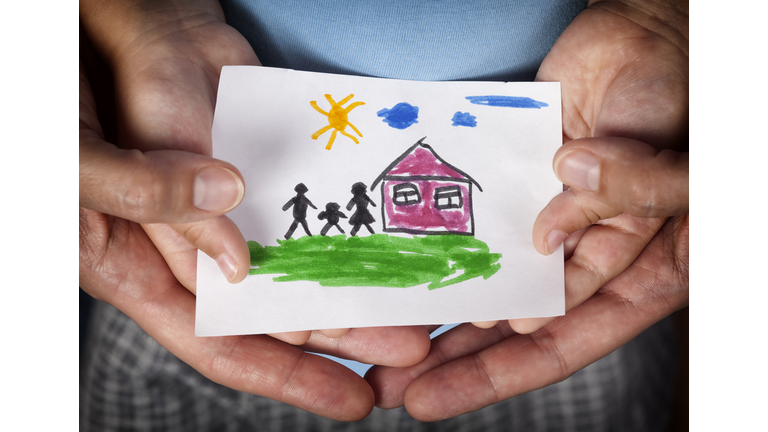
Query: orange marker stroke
[337, 119]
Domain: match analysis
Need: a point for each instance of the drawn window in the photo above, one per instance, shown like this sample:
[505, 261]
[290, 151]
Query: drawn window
[448, 197]
[406, 194]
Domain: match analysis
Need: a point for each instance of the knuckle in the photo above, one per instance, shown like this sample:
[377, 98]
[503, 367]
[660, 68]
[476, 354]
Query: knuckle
[553, 353]
[642, 195]
[588, 214]
[195, 233]
[144, 197]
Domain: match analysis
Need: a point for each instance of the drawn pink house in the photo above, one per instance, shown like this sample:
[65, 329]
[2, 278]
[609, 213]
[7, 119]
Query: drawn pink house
[423, 194]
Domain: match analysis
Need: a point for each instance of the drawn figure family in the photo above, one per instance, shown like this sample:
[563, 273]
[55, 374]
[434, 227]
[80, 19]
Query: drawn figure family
[331, 215]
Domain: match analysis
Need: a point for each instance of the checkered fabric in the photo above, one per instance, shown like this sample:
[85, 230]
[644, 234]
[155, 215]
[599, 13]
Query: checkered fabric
[131, 383]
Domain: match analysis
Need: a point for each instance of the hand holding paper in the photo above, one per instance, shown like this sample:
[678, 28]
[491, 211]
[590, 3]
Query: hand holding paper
[166, 89]
[622, 274]
[428, 191]
[165, 79]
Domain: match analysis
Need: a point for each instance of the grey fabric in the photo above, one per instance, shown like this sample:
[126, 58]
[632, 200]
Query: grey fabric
[130, 383]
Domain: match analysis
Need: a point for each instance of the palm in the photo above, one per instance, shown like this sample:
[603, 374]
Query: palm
[621, 79]
[166, 85]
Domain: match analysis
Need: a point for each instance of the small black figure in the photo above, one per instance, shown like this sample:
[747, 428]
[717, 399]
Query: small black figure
[361, 216]
[299, 203]
[332, 214]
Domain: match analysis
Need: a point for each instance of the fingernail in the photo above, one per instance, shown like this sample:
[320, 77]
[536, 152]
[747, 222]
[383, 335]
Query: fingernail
[217, 188]
[227, 265]
[579, 169]
[554, 239]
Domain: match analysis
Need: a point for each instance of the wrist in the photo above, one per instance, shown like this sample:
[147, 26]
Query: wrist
[114, 26]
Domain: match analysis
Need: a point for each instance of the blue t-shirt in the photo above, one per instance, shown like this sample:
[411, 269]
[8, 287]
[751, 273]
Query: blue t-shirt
[406, 39]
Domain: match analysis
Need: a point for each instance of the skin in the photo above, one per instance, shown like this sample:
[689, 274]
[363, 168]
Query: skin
[623, 67]
[139, 227]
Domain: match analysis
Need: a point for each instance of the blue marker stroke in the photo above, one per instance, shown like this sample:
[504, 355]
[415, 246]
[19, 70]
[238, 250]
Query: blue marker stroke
[507, 101]
[400, 116]
[464, 119]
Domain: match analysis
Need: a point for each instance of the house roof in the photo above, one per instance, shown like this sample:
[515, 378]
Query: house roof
[421, 161]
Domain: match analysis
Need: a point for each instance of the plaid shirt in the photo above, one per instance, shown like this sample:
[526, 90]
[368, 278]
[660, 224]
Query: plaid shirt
[129, 382]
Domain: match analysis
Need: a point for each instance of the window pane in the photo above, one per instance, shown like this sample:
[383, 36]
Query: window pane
[406, 194]
[448, 197]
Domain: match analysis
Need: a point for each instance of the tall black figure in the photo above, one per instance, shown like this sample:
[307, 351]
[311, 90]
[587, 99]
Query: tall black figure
[332, 215]
[361, 216]
[299, 203]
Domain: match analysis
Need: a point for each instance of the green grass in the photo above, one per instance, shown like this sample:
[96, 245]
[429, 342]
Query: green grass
[376, 260]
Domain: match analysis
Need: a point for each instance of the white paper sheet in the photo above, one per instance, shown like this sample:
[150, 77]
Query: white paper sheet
[474, 167]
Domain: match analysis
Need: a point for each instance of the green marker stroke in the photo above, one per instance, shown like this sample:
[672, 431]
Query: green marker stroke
[376, 260]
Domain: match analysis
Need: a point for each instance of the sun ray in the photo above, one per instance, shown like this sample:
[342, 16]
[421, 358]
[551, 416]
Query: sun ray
[355, 129]
[349, 108]
[321, 131]
[345, 100]
[330, 141]
[350, 136]
[320, 110]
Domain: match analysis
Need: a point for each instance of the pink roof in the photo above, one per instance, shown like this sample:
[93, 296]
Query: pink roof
[421, 160]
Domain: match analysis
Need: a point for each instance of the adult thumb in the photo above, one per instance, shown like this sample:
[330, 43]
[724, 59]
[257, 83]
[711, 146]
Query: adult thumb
[628, 175]
[163, 186]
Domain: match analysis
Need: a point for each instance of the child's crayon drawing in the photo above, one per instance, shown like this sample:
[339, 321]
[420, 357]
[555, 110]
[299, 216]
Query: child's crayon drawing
[427, 221]
[420, 194]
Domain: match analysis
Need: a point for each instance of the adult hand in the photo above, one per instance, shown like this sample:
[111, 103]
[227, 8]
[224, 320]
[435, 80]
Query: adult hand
[166, 61]
[624, 72]
[120, 265]
[166, 64]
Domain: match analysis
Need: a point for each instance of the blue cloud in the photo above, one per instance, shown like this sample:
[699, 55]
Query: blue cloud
[507, 101]
[464, 119]
[400, 116]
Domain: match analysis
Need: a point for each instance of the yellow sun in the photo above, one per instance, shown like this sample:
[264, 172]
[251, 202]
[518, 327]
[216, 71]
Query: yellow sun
[337, 119]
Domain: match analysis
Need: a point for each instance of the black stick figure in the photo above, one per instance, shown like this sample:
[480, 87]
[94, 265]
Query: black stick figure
[332, 214]
[361, 216]
[299, 203]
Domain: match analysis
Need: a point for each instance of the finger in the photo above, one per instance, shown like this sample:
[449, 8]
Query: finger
[334, 333]
[567, 213]
[571, 242]
[156, 186]
[178, 252]
[390, 383]
[609, 176]
[293, 338]
[530, 325]
[603, 252]
[627, 305]
[221, 240]
[484, 324]
[392, 346]
[627, 175]
[149, 293]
